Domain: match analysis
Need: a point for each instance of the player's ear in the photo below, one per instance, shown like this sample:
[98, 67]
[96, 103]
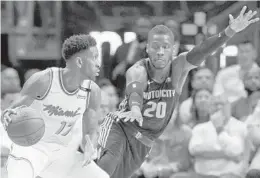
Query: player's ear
[79, 62]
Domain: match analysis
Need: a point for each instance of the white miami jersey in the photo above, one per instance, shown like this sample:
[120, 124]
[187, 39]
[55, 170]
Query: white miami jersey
[61, 109]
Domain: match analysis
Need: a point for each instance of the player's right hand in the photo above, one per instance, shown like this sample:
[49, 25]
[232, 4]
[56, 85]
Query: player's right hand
[133, 115]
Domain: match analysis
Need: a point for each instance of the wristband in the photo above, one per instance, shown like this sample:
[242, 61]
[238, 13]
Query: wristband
[229, 32]
[134, 93]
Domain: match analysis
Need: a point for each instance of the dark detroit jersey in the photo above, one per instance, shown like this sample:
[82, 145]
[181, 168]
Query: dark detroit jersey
[159, 102]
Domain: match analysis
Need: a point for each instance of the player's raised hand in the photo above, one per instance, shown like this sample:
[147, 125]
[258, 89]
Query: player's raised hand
[243, 20]
[89, 151]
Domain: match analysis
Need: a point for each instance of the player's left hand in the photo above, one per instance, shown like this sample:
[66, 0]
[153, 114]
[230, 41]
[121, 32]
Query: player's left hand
[89, 151]
[243, 20]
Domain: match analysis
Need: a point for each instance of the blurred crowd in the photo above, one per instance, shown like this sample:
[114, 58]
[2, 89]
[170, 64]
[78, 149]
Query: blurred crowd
[213, 133]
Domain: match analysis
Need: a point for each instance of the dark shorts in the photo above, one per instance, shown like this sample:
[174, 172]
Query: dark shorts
[121, 154]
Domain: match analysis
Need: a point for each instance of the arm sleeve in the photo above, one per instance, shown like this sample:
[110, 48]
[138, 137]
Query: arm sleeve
[198, 54]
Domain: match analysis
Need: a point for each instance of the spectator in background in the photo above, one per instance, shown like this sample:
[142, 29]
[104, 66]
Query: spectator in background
[229, 80]
[107, 87]
[106, 67]
[127, 54]
[253, 125]
[202, 78]
[244, 106]
[29, 73]
[220, 145]
[10, 82]
[10, 87]
[200, 108]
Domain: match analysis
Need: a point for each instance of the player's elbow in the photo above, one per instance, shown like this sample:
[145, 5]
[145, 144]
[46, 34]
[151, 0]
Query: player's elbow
[196, 56]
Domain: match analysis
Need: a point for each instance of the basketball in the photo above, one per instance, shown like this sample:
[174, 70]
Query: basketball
[26, 128]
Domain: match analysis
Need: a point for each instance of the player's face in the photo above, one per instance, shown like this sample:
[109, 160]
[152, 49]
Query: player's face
[203, 79]
[160, 50]
[246, 55]
[252, 80]
[202, 99]
[91, 63]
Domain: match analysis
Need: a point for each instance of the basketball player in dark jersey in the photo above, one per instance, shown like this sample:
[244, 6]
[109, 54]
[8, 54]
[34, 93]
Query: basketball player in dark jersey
[152, 93]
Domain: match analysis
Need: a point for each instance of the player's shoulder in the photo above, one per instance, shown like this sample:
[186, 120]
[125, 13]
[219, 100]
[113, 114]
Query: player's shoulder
[138, 67]
[41, 76]
[138, 70]
[38, 82]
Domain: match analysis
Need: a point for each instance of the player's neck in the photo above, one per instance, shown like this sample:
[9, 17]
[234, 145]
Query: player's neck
[71, 79]
[160, 75]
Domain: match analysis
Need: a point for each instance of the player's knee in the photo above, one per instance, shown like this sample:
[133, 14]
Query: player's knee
[253, 173]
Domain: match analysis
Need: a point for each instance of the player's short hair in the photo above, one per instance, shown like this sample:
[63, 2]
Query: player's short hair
[75, 44]
[160, 30]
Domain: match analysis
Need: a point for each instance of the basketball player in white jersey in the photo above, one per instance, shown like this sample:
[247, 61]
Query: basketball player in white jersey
[62, 96]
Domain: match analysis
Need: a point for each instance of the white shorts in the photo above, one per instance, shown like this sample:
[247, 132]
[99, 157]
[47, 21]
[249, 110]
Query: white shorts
[25, 162]
[30, 162]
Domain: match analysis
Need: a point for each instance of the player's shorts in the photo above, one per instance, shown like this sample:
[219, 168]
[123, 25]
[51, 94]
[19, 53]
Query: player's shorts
[29, 162]
[120, 153]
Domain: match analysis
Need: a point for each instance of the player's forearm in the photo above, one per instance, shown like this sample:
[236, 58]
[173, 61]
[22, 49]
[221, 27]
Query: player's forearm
[90, 125]
[197, 55]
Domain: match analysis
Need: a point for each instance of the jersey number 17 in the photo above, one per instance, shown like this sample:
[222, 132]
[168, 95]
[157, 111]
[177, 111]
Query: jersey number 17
[64, 129]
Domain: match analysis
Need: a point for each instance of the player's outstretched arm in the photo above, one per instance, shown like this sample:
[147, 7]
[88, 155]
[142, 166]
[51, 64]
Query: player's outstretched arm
[35, 88]
[197, 55]
[136, 82]
[90, 123]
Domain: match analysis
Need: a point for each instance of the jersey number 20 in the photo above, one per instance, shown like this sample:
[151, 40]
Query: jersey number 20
[156, 109]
